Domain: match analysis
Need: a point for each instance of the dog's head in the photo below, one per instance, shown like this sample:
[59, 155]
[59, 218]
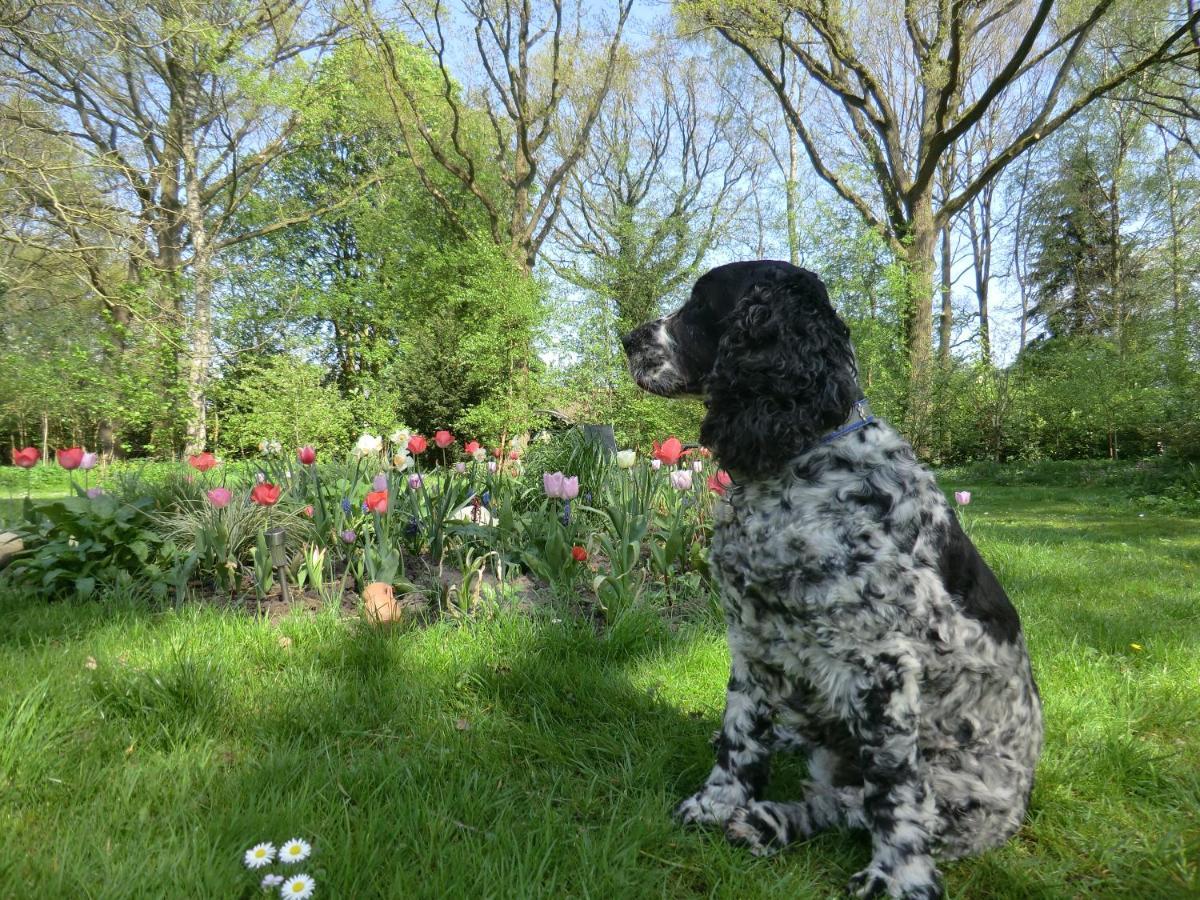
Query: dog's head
[762, 344]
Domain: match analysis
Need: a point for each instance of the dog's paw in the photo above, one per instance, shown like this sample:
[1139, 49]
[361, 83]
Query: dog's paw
[754, 827]
[704, 808]
[915, 879]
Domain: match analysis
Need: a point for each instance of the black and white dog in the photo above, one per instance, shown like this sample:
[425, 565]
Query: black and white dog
[864, 627]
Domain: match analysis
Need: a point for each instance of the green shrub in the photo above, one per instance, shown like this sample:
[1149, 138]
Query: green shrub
[80, 543]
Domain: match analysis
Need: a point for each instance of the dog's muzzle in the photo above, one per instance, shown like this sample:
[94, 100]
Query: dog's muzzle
[653, 361]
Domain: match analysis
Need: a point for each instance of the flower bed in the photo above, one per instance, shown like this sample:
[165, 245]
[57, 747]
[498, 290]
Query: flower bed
[609, 530]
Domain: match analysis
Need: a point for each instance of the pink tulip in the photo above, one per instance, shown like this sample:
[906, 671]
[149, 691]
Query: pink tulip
[307, 455]
[70, 457]
[88, 461]
[962, 497]
[719, 483]
[552, 484]
[460, 468]
[414, 482]
[219, 497]
[443, 439]
[570, 488]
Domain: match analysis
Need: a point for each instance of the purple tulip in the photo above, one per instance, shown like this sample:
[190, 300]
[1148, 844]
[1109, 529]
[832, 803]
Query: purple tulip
[348, 536]
[414, 482]
[380, 482]
[88, 461]
[491, 467]
[460, 468]
[95, 492]
[962, 497]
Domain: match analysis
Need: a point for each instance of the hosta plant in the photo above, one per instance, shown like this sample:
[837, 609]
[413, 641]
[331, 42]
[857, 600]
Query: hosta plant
[77, 543]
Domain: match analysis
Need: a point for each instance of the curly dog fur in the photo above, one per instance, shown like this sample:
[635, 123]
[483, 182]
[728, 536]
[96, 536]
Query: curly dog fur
[864, 628]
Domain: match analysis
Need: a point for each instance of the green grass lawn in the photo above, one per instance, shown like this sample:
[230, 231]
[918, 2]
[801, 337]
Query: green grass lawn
[526, 756]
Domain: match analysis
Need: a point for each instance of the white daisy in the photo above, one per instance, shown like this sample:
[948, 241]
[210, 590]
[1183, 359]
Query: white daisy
[294, 850]
[299, 887]
[259, 855]
[270, 881]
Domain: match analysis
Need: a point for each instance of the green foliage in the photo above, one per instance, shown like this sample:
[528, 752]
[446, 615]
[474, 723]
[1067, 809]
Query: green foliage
[412, 319]
[80, 545]
[220, 542]
[283, 398]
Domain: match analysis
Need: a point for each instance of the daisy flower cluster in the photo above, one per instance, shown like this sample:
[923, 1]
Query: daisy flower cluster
[300, 886]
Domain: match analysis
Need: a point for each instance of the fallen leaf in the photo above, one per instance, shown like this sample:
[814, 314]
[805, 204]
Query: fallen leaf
[90, 663]
[285, 642]
[462, 725]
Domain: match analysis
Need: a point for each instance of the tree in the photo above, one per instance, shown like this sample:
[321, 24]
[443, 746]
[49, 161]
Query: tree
[414, 321]
[899, 88]
[1087, 271]
[176, 110]
[660, 184]
[543, 91]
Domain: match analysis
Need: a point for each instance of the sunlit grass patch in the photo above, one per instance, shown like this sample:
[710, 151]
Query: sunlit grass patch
[530, 755]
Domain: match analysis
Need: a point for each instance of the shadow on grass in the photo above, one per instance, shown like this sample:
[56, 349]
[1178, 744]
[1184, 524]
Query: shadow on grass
[527, 759]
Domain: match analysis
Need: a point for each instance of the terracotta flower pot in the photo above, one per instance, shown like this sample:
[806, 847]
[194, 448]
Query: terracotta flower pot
[379, 603]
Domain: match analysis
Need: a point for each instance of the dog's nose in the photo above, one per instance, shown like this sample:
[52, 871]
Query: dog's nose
[627, 340]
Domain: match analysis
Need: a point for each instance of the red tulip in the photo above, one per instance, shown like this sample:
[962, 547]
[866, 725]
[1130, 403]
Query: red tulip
[307, 455]
[377, 501]
[265, 494]
[202, 462]
[471, 447]
[719, 483]
[578, 554]
[26, 458]
[443, 439]
[70, 458]
[668, 451]
[417, 444]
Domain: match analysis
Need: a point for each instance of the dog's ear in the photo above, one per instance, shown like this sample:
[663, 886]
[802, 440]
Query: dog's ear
[784, 375]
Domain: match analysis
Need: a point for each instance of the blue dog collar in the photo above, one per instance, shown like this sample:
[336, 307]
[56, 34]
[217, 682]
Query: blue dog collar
[860, 417]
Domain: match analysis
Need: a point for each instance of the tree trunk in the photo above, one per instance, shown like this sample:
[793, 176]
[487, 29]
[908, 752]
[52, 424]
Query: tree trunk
[790, 196]
[198, 354]
[45, 437]
[946, 321]
[985, 330]
[918, 320]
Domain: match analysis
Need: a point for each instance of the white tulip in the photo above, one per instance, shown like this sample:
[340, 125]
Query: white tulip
[368, 444]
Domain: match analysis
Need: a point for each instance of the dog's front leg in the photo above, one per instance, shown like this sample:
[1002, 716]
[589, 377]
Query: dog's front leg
[898, 800]
[743, 752]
